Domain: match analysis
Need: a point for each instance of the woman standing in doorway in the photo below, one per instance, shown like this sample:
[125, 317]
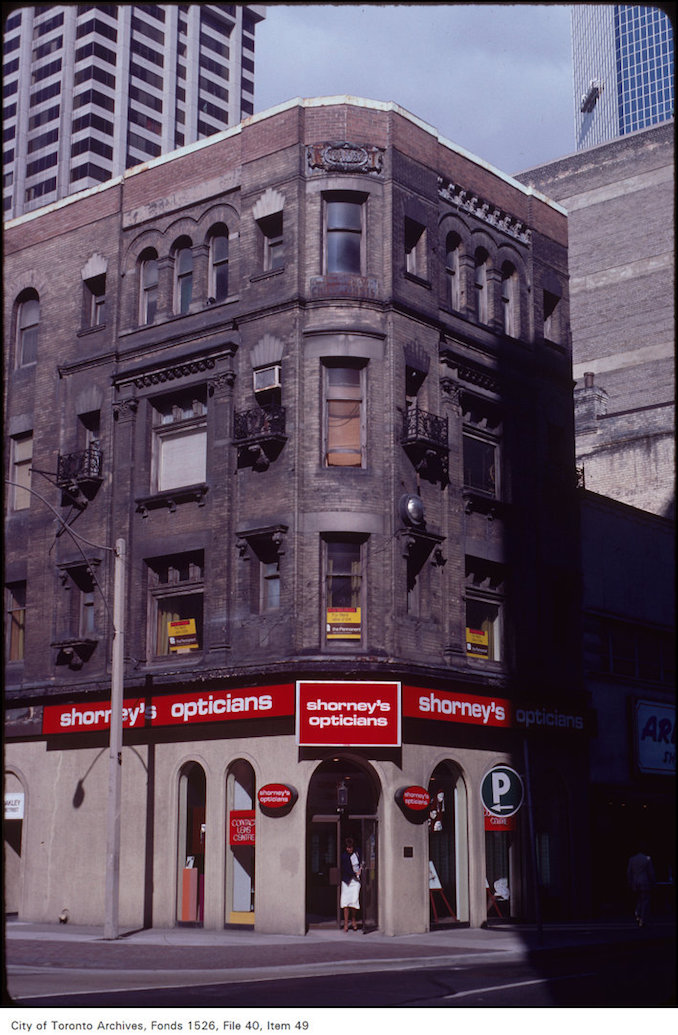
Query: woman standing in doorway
[350, 881]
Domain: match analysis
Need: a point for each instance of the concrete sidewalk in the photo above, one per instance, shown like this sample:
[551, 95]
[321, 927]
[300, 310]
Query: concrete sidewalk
[493, 938]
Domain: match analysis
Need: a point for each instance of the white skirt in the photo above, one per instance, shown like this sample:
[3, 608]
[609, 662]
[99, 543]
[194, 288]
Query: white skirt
[350, 895]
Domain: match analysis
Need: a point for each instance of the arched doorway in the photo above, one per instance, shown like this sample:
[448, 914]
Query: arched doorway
[191, 845]
[343, 799]
[448, 846]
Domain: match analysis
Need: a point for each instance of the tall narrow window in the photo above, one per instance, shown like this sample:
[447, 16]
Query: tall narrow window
[482, 308]
[27, 331]
[149, 289]
[95, 301]
[415, 248]
[270, 585]
[272, 234]
[176, 602]
[452, 244]
[344, 416]
[343, 595]
[219, 266]
[551, 316]
[482, 630]
[22, 459]
[480, 465]
[16, 620]
[509, 299]
[183, 264]
[80, 582]
[344, 228]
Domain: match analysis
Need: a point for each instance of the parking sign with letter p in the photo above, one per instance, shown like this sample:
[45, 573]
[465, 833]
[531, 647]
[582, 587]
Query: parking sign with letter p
[502, 791]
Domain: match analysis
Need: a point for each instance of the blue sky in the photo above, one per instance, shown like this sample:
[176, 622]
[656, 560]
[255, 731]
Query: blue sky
[494, 78]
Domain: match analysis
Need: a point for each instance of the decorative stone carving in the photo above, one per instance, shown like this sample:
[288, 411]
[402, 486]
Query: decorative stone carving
[158, 377]
[126, 409]
[95, 266]
[345, 157]
[270, 202]
[484, 210]
[221, 381]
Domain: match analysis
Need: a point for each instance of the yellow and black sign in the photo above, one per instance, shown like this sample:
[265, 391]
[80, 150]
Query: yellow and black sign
[477, 643]
[183, 636]
[343, 623]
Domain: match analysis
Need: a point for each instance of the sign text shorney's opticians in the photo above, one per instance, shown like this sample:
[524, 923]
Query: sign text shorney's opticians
[173, 710]
[346, 713]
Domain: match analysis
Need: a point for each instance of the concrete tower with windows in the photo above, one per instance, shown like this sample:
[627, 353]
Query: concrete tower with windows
[90, 90]
[623, 70]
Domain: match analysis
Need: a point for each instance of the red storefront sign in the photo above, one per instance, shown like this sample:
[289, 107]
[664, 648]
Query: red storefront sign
[499, 822]
[261, 702]
[443, 705]
[275, 796]
[241, 827]
[348, 714]
[416, 798]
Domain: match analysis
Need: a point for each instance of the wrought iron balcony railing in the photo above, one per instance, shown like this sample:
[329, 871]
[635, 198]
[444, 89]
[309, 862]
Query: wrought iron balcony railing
[85, 465]
[425, 428]
[260, 424]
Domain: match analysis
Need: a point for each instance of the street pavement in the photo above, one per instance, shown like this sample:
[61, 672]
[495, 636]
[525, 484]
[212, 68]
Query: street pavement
[45, 960]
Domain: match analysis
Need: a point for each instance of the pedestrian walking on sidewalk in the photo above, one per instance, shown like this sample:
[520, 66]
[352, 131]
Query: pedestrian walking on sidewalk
[641, 879]
[350, 882]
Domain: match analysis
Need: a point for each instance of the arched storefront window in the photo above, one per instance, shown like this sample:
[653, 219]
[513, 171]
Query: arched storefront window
[13, 830]
[448, 846]
[191, 845]
[240, 827]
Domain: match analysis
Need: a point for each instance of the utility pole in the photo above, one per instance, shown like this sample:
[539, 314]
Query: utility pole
[112, 905]
[111, 920]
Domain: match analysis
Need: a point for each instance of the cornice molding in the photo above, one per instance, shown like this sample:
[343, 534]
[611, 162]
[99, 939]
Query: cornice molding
[473, 204]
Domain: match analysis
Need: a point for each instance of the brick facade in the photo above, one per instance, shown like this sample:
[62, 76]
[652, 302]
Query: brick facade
[269, 497]
[619, 198]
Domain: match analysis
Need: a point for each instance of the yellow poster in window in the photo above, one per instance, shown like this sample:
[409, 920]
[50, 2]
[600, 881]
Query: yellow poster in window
[343, 623]
[477, 643]
[183, 636]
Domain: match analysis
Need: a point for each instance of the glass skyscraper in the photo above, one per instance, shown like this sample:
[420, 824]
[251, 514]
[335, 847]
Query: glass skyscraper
[90, 90]
[623, 70]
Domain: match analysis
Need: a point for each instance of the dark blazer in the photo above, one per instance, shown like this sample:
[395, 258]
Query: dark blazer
[347, 874]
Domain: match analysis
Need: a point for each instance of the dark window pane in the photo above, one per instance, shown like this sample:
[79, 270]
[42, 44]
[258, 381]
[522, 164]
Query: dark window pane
[343, 252]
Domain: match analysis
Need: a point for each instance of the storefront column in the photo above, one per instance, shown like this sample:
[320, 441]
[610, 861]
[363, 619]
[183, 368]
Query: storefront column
[280, 861]
[215, 852]
[476, 848]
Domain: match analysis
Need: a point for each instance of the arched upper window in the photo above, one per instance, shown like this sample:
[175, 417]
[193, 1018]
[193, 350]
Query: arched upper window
[509, 299]
[482, 302]
[183, 277]
[452, 249]
[148, 301]
[28, 323]
[218, 280]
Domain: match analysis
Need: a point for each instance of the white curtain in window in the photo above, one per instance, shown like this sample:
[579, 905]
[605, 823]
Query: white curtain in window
[182, 459]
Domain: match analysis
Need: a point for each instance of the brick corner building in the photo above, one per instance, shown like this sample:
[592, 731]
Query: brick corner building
[316, 372]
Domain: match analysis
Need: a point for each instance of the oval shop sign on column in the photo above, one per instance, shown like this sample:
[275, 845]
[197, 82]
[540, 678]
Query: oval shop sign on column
[502, 791]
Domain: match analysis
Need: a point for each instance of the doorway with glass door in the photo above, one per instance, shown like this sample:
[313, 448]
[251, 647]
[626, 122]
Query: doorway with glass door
[342, 803]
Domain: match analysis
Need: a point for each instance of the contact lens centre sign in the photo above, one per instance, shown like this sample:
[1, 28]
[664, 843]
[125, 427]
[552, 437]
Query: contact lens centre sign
[348, 714]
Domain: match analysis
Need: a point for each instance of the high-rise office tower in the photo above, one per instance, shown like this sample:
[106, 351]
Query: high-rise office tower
[90, 90]
[623, 70]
